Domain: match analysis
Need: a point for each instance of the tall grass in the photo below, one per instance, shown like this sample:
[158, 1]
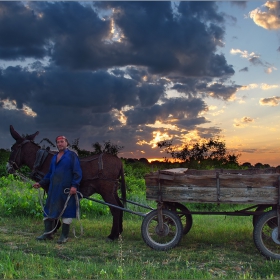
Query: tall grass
[214, 248]
[219, 247]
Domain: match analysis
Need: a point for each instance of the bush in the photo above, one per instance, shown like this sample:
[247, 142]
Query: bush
[18, 198]
[4, 158]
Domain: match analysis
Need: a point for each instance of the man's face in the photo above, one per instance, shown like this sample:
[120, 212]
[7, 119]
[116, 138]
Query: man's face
[61, 144]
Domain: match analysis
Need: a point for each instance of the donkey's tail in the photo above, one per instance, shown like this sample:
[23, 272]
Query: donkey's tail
[123, 187]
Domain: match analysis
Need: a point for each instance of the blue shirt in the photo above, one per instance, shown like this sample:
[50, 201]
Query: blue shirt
[64, 174]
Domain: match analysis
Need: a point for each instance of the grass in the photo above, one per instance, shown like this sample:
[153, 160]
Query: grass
[216, 247]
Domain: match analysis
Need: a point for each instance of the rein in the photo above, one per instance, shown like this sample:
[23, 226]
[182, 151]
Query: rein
[66, 191]
[78, 216]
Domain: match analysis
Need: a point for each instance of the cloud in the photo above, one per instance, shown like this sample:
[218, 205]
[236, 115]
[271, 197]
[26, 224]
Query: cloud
[245, 69]
[179, 108]
[268, 19]
[262, 86]
[243, 122]
[254, 59]
[205, 87]
[242, 4]
[271, 101]
[101, 70]
[267, 87]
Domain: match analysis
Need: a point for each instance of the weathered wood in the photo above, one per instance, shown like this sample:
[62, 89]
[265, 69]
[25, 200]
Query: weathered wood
[265, 195]
[180, 186]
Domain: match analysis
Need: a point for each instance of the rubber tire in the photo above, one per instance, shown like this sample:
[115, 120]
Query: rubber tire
[183, 212]
[266, 220]
[168, 218]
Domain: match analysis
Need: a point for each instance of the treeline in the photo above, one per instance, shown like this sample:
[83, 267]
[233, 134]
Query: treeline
[208, 154]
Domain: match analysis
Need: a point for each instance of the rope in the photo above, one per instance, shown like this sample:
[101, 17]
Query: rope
[66, 191]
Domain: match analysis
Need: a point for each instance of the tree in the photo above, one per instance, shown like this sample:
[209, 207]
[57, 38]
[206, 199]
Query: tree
[247, 164]
[211, 152]
[107, 147]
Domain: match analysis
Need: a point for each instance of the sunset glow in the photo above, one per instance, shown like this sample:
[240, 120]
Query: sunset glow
[134, 73]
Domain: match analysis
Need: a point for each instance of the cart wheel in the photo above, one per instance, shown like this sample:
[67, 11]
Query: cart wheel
[261, 208]
[183, 212]
[266, 235]
[170, 235]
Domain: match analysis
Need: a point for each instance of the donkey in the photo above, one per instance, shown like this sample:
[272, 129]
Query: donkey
[101, 174]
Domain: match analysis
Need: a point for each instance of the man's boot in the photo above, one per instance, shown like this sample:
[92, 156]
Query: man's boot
[64, 234]
[48, 227]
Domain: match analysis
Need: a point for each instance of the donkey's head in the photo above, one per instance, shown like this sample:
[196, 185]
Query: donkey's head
[16, 156]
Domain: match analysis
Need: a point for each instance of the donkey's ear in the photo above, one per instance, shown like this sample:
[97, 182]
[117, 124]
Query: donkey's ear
[14, 134]
[32, 136]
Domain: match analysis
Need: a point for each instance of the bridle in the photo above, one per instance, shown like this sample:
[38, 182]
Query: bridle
[12, 162]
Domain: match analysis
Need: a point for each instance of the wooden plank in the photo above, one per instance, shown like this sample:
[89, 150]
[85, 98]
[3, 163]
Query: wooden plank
[252, 171]
[176, 171]
[264, 195]
[226, 180]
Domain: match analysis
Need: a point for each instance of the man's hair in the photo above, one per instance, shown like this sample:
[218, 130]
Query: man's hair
[63, 137]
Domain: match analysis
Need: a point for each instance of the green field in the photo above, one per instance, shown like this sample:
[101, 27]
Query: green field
[216, 247]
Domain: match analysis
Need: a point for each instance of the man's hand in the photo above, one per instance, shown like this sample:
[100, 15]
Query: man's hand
[36, 186]
[73, 190]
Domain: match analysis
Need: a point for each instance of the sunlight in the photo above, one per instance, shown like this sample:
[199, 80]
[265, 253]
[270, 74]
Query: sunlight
[120, 116]
[159, 124]
[157, 137]
[28, 111]
[12, 105]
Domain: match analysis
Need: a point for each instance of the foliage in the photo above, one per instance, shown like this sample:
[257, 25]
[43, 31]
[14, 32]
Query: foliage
[4, 157]
[18, 198]
[107, 147]
[207, 154]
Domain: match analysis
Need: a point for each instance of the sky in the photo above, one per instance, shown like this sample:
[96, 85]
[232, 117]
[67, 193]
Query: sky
[136, 73]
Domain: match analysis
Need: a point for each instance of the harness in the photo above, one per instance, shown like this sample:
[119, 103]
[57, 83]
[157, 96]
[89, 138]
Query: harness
[18, 153]
[41, 156]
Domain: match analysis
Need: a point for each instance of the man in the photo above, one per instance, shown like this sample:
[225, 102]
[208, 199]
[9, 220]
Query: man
[64, 173]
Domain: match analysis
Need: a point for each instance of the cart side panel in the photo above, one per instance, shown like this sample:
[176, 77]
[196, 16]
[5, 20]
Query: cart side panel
[213, 187]
[264, 195]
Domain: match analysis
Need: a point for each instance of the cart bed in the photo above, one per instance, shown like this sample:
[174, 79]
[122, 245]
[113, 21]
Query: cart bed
[256, 186]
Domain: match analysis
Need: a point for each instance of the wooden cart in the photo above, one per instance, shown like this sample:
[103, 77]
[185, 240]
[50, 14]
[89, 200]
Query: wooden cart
[163, 228]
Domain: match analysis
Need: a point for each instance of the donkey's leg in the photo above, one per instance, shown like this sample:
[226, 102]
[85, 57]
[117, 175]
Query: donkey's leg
[116, 230]
[116, 213]
[121, 213]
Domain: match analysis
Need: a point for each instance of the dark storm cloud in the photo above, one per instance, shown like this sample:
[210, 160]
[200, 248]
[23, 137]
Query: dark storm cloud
[52, 90]
[153, 37]
[100, 90]
[21, 32]
[179, 108]
[76, 37]
[191, 123]
[218, 90]
[194, 87]
[92, 72]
